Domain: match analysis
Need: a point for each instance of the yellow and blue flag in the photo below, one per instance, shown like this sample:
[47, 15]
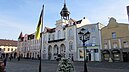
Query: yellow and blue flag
[39, 26]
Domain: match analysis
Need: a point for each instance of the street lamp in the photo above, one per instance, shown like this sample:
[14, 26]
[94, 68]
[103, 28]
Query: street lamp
[84, 36]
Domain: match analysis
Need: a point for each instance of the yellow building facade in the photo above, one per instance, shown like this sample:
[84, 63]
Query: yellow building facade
[115, 41]
[8, 48]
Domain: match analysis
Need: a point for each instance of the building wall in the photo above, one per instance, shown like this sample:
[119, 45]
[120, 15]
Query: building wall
[68, 34]
[122, 33]
[93, 44]
[114, 36]
[8, 48]
[28, 48]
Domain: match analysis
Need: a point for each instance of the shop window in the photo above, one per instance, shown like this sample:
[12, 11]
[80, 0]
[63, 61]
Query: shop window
[96, 50]
[116, 56]
[106, 56]
[81, 54]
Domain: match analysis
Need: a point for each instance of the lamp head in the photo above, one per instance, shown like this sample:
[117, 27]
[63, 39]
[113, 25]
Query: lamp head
[80, 35]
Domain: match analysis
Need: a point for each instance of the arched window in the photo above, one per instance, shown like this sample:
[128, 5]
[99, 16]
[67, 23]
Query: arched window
[59, 34]
[55, 50]
[70, 46]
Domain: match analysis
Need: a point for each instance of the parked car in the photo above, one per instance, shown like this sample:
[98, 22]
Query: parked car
[2, 66]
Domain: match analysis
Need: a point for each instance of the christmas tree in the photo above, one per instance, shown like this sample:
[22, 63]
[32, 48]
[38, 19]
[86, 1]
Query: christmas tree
[65, 65]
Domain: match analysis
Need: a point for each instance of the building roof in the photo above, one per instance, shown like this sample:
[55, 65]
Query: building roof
[50, 30]
[4, 42]
[20, 36]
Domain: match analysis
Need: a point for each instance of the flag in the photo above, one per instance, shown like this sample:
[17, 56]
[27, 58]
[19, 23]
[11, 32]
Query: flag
[39, 26]
[128, 12]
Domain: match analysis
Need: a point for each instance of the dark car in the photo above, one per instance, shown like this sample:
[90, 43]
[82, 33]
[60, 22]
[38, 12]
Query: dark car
[2, 66]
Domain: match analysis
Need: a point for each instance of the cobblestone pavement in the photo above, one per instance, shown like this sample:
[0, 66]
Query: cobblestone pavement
[26, 65]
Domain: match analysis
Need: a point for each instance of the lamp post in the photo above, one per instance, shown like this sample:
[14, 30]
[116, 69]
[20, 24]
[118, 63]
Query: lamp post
[84, 36]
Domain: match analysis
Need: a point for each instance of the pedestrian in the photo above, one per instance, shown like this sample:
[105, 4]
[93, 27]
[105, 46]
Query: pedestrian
[72, 58]
[10, 58]
[18, 58]
[38, 57]
[5, 59]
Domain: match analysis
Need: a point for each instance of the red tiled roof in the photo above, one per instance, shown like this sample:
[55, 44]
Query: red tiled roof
[50, 30]
[4, 42]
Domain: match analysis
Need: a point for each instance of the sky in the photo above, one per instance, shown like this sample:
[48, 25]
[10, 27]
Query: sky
[18, 16]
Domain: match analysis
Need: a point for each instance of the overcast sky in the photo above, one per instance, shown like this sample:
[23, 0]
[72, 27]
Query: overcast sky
[22, 15]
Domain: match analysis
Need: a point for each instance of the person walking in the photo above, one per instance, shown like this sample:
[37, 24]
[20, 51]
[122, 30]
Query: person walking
[18, 58]
[5, 59]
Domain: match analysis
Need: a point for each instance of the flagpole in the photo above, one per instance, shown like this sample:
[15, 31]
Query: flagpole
[40, 66]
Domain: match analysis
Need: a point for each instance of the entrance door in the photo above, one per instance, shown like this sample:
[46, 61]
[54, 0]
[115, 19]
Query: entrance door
[49, 53]
[125, 57]
[89, 56]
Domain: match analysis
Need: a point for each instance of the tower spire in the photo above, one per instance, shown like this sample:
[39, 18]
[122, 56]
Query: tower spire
[64, 1]
[64, 12]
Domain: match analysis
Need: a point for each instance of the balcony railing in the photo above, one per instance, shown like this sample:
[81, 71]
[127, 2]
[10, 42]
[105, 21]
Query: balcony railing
[56, 40]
